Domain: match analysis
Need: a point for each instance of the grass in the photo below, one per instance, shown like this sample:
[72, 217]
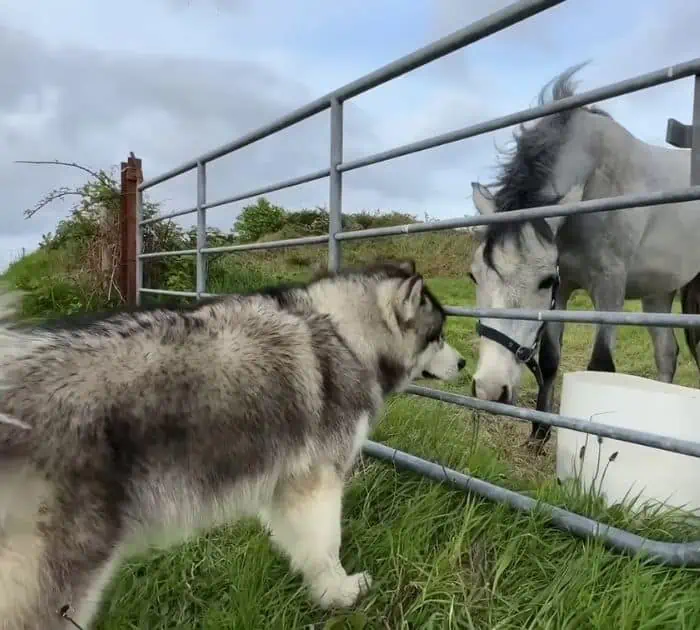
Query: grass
[439, 558]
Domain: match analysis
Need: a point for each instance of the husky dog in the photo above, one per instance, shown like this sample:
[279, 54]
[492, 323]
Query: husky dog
[163, 421]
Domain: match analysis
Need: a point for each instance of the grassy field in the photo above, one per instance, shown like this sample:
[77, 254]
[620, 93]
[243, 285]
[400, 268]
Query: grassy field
[439, 558]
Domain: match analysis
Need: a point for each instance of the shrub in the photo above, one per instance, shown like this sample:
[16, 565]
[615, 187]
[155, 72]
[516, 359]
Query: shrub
[76, 268]
[307, 222]
[259, 219]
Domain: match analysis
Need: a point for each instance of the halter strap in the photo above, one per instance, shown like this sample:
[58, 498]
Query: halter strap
[523, 354]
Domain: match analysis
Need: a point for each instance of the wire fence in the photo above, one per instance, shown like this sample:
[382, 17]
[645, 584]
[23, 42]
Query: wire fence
[676, 554]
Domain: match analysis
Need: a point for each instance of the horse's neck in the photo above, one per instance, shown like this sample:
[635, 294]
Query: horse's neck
[635, 166]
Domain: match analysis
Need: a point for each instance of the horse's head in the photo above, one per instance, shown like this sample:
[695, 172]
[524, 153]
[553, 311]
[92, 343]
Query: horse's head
[514, 266]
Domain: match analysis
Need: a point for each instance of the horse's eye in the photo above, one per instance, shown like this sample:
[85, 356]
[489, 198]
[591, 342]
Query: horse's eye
[471, 275]
[547, 283]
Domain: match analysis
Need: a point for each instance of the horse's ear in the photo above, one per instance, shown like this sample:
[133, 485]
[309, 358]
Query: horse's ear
[484, 204]
[574, 195]
[483, 199]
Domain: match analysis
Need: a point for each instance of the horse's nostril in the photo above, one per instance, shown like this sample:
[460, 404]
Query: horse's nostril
[474, 389]
[460, 364]
[505, 396]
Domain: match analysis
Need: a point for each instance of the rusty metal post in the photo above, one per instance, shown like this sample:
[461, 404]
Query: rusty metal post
[132, 176]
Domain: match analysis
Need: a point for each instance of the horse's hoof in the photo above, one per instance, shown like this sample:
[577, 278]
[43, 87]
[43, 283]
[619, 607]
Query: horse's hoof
[535, 445]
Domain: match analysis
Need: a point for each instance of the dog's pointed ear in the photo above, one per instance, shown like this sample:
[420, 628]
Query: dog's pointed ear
[409, 296]
[408, 265]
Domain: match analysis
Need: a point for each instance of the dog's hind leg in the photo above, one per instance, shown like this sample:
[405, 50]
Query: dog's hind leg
[84, 541]
[24, 496]
[88, 604]
[304, 519]
[63, 562]
[22, 600]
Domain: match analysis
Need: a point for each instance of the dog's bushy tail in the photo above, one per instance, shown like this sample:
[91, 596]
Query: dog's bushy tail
[12, 344]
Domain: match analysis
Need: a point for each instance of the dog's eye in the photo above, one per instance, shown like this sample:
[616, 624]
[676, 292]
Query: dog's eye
[471, 275]
[547, 283]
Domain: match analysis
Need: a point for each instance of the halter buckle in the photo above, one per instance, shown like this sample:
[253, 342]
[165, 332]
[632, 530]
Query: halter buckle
[524, 354]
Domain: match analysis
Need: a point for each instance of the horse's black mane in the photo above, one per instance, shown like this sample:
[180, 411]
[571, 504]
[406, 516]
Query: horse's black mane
[529, 164]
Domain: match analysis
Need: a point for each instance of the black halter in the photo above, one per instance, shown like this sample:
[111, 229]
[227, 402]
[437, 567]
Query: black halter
[525, 355]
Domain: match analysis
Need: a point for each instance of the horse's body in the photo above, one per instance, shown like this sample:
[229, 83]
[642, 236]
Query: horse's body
[647, 253]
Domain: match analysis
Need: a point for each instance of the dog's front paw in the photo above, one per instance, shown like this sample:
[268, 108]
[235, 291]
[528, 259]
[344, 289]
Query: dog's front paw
[344, 591]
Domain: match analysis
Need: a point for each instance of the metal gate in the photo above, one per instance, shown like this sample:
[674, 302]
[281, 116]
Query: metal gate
[675, 554]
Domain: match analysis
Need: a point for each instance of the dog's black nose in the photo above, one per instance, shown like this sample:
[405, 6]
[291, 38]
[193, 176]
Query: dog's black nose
[460, 364]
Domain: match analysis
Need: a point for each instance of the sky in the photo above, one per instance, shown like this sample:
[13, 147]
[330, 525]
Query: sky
[88, 82]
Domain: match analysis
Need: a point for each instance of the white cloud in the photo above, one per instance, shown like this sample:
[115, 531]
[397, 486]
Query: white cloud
[175, 78]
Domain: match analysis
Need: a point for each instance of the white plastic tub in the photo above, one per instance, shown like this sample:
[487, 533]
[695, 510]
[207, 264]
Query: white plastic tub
[661, 478]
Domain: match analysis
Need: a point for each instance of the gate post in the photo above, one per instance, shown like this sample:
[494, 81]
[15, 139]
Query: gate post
[335, 205]
[201, 260]
[131, 177]
[695, 137]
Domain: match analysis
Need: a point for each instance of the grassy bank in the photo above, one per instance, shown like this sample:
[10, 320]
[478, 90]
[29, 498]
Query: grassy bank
[440, 559]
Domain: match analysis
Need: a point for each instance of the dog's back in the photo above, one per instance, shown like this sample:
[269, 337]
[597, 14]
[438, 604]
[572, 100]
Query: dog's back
[149, 423]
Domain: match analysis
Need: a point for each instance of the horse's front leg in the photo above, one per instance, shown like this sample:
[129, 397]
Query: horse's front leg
[664, 339]
[608, 296]
[549, 359]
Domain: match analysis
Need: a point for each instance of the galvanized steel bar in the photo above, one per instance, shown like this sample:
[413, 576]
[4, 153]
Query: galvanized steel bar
[595, 205]
[139, 245]
[335, 193]
[617, 318]
[297, 116]
[560, 210]
[488, 25]
[671, 73]
[695, 148]
[201, 259]
[169, 215]
[256, 192]
[176, 252]
[652, 440]
[581, 207]
[666, 553]
[497, 21]
[290, 242]
[192, 294]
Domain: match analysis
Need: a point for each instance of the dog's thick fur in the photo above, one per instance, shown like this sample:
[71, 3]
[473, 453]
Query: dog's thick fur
[163, 422]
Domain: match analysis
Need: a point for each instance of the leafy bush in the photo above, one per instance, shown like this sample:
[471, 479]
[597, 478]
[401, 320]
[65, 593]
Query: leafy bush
[264, 221]
[307, 222]
[76, 268]
[366, 220]
[259, 219]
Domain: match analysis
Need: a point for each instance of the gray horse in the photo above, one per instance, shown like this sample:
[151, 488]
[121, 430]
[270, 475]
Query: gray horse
[641, 253]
